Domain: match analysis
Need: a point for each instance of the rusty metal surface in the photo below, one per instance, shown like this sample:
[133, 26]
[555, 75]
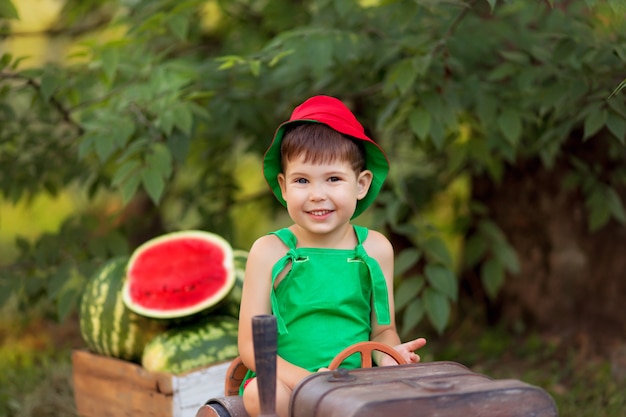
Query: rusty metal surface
[231, 406]
[442, 389]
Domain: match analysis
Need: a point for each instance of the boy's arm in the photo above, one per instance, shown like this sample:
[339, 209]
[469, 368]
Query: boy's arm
[379, 247]
[255, 300]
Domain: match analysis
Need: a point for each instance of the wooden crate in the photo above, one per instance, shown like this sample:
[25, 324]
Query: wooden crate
[109, 387]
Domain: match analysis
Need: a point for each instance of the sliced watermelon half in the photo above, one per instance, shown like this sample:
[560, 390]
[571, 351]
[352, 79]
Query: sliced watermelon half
[179, 274]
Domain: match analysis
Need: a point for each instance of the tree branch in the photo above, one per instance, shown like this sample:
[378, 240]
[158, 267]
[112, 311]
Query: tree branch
[65, 113]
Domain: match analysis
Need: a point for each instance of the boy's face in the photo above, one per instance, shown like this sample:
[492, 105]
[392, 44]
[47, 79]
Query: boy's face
[322, 197]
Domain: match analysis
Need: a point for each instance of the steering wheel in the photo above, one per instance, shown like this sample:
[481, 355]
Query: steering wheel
[366, 349]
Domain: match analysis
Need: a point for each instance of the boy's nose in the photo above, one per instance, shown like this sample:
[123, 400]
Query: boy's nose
[317, 193]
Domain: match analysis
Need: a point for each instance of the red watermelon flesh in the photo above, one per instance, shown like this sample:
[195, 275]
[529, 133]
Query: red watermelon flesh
[179, 274]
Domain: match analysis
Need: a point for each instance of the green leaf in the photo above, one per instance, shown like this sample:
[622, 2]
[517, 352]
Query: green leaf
[5, 58]
[58, 280]
[492, 4]
[405, 260]
[129, 187]
[515, 56]
[110, 59]
[486, 108]
[122, 131]
[406, 229]
[318, 54]
[437, 134]
[255, 67]
[419, 120]
[618, 6]
[402, 75]
[491, 231]
[443, 280]
[615, 205]
[85, 145]
[474, 250]
[492, 277]
[178, 144]
[8, 10]
[617, 125]
[408, 290]
[68, 298]
[229, 61]
[344, 8]
[412, 316]
[116, 244]
[437, 251]
[159, 159]
[153, 183]
[437, 309]
[394, 210]
[50, 81]
[618, 89]
[505, 254]
[105, 145]
[183, 118]
[278, 57]
[599, 210]
[127, 169]
[594, 122]
[179, 25]
[510, 124]
[503, 71]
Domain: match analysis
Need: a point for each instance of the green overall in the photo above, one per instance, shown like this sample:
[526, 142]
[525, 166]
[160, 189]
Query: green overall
[324, 303]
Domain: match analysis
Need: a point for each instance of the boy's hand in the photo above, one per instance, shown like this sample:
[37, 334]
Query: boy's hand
[407, 351]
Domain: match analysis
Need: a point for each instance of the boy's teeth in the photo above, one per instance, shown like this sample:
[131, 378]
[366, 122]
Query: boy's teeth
[319, 213]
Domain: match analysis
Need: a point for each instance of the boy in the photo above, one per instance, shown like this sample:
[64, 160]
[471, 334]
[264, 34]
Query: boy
[329, 283]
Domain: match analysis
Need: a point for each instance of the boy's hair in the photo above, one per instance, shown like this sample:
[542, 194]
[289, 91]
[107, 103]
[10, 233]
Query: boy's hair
[320, 143]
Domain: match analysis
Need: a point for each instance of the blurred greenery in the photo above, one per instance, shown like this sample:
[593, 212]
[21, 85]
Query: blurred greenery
[159, 120]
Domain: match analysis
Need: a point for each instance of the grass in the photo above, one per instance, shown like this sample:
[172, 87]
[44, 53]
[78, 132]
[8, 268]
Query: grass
[583, 383]
[36, 377]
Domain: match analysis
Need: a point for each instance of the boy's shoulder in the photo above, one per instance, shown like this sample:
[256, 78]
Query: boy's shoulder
[377, 245]
[268, 246]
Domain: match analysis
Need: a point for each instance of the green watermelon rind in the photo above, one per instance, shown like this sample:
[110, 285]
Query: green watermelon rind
[107, 326]
[212, 301]
[230, 305]
[194, 346]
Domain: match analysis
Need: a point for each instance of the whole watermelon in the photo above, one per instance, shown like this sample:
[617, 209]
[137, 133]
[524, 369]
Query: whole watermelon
[195, 345]
[107, 326]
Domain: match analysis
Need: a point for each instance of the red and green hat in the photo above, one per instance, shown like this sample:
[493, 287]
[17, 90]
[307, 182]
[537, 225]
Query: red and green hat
[333, 113]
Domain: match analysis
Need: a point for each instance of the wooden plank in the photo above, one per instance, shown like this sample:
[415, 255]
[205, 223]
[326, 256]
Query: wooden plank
[108, 387]
[112, 369]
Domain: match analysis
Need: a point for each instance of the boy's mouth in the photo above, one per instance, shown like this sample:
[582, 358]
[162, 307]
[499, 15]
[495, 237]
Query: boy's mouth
[320, 212]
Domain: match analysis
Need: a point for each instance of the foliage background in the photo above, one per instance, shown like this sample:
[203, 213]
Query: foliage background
[504, 121]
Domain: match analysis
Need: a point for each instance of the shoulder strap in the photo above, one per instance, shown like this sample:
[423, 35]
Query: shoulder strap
[379, 284]
[361, 233]
[287, 237]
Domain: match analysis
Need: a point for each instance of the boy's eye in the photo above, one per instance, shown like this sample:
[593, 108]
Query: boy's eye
[301, 181]
[334, 179]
